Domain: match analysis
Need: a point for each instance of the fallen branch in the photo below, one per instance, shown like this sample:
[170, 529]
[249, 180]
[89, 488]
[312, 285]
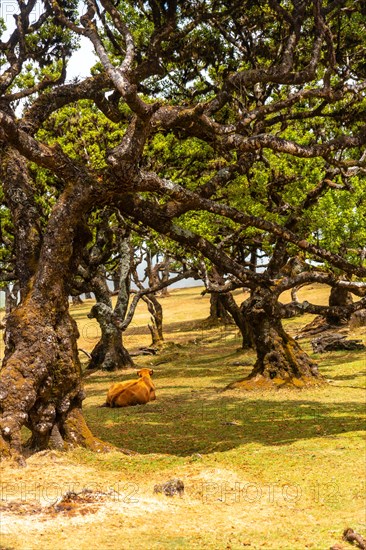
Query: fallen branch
[335, 342]
[358, 319]
[351, 536]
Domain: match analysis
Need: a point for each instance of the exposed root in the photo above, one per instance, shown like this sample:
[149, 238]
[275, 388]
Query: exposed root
[77, 433]
[85, 352]
[10, 455]
[317, 325]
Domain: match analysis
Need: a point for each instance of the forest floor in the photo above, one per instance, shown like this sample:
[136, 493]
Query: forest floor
[283, 470]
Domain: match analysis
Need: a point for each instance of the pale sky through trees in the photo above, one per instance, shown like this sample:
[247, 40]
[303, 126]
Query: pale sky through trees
[81, 61]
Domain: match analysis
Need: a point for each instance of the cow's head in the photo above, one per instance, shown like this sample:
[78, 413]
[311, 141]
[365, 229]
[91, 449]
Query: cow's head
[145, 372]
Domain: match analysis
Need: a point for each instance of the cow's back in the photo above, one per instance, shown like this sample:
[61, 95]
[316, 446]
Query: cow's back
[116, 389]
[132, 392]
[136, 394]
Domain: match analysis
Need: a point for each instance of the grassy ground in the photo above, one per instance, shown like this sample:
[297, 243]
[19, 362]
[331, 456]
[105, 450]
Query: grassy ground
[282, 470]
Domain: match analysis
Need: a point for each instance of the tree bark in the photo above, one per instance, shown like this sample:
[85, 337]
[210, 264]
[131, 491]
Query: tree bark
[358, 319]
[40, 380]
[156, 327]
[335, 342]
[280, 360]
[110, 353]
[18, 188]
[116, 281]
[240, 318]
[154, 307]
[11, 297]
[339, 297]
[219, 302]
[218, 311]
[165, 275]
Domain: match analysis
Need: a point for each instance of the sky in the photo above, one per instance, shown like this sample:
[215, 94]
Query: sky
[82, 60]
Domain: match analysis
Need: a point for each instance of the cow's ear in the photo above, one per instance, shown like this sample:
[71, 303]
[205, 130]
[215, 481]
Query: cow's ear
[151, 372]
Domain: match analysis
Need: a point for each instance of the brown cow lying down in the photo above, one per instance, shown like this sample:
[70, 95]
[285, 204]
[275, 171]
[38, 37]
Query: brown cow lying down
[132, 392]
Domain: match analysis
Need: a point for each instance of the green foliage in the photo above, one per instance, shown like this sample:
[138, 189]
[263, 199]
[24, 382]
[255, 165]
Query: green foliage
[84, 133]
[340, 221]
[204, 45]
[6, 239]
[189, 162]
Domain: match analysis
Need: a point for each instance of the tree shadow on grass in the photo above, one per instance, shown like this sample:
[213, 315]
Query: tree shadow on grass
[181, 364]
[173, 328]
[359, 374]
[334, 358]
[189, 425]
[350, 363]
[188, 419]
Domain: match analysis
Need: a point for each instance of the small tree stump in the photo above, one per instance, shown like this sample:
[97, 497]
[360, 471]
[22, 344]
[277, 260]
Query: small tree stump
[335, 342]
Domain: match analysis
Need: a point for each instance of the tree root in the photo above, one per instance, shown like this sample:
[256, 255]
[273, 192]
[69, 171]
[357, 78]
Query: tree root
[145, 351]
[317, 325]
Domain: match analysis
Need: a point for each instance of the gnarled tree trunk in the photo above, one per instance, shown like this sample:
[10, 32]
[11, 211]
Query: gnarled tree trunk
[218, 311]
[110, 353]
[153, 305]
[156, 326]
[280, 360]
[339, 297]
[40, 382]
[240, 318]
[165, 275]
[40, 379]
